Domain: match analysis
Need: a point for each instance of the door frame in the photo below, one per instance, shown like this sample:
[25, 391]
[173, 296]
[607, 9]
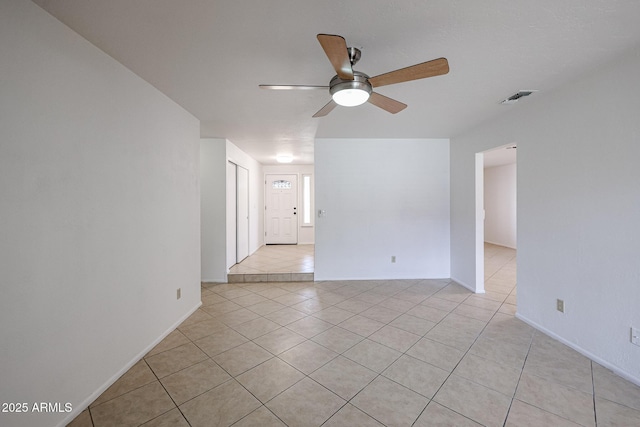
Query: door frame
[232, 210]
[480, 214]
[479, 237]
[242, 213]
[231, 214]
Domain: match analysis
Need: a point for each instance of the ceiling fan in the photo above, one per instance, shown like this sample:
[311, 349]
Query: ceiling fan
[350, 88]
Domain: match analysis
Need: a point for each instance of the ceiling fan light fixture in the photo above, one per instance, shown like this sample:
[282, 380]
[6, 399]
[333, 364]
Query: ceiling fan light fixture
[350, 97]
[284, 158]
[350, 93]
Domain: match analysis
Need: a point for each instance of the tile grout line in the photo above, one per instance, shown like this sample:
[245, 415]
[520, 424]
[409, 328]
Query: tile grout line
[387, 324]
[167, 391]
[457, 364]
[519, 379]
[341, 354]
[402, 353]
[550, 380]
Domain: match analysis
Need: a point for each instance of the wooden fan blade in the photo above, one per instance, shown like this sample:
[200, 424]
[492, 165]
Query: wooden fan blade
[336, 49]
[326, 109]
[386, 103]
[433, 68]
[292, 87]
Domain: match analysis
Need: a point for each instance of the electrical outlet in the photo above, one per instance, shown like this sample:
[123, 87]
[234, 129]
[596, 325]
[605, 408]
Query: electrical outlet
[178, 293]
[393, 258]
[635, 336]
[560, 305]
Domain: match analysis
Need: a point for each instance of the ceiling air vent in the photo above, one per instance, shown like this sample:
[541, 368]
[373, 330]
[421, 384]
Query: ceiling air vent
[515, 97]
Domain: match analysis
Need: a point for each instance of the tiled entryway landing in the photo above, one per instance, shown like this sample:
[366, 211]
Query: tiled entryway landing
[362, 353]
[275, 263]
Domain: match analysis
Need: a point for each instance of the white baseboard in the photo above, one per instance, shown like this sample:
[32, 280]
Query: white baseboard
[317, 278]
[581, 350]
[93, 396]
[500, 244]
[222, 279]
[463, 284]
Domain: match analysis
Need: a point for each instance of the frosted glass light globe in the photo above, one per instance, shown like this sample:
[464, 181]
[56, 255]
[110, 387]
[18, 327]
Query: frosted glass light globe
[350, 97]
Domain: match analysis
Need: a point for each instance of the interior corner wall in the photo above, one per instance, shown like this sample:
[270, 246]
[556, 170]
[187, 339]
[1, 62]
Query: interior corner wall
[213, 158]
[306, 234]
[578, 209]
[500, 205]
[100, 194]
[382, 198]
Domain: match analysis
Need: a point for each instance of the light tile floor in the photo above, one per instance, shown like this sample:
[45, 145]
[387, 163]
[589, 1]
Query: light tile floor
[365, 353]
[275, 263]
[278, 259]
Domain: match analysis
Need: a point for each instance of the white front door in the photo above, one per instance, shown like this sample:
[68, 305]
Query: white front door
[281, 209]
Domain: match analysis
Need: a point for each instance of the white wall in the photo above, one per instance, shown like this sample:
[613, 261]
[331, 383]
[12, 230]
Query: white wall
[306, 234]
[213, 212]
[382, 198]
[500, 205]
[99, 215]
[578, 209]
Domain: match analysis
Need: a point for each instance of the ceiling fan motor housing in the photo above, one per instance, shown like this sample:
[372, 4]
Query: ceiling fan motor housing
[354, 55]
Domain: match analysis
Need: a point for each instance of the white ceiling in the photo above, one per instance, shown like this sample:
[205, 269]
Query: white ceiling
[500, 156]
[210, 55]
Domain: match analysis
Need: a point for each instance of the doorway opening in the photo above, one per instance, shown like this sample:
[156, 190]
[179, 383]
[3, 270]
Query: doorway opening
[496, 194]
[288, 250]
